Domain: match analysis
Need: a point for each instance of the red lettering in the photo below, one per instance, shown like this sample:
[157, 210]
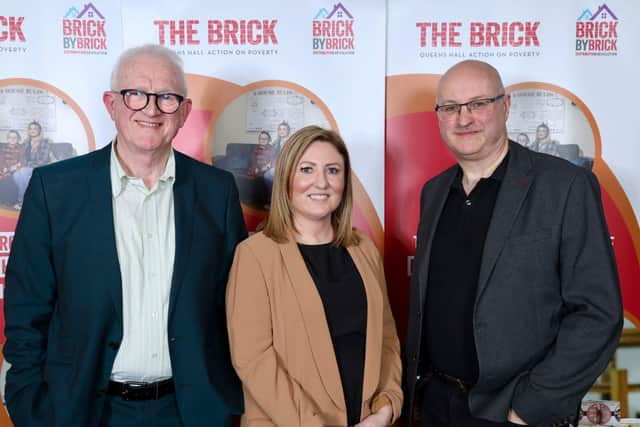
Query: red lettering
[253, 38]
[269, 31]
[76, 27]
[214, 32]
[423, 32]
[349, 28]
[316, 28]
[15, 29]
[531, 33]
[100, 30]
[442, 34]
[513, 40]
[597, 30]
[160, 25]
[176, 31]
[252, 31]
[476, 34]
[454, 34]
[230, 30]
[192, 31]
[439, 35]
[493, 31]
[66, 27]
[503, 34]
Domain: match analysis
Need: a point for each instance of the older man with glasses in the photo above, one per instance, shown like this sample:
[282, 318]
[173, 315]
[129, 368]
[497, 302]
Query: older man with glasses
[515, 303]
[115, 286]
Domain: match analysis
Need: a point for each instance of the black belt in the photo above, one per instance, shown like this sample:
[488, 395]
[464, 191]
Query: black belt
[463, 386]
[141, 391]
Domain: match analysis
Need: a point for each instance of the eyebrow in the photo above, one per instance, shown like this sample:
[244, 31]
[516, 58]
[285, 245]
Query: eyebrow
[314, 163]
[474, 98]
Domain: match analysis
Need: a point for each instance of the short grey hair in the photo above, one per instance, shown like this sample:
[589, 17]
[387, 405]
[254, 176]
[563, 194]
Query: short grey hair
[154, 50]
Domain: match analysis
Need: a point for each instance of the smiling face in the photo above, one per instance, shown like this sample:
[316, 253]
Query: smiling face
[263, 138]
[480, 135]
[317, 184]
[148, 130]
[283, 131]
[542, 132]
[13, 137]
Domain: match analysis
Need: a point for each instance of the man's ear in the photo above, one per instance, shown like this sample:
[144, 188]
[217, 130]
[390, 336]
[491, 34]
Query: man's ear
[187, 106]
[108, 98]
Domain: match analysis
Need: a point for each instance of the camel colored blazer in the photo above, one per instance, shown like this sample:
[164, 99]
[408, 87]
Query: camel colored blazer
[280, 342]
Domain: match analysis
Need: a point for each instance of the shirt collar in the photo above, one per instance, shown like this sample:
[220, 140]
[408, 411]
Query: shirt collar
[119, 177]
[497, 175]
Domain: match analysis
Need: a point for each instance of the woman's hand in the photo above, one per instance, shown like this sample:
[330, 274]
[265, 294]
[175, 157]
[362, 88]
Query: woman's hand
[382, 418]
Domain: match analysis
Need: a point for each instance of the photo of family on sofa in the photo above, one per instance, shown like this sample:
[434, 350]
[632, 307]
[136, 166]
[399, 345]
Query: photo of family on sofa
[19, 156]
[252, 165]
[543, 143]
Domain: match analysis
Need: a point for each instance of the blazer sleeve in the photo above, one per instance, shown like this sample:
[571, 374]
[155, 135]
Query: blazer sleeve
[589, 331]
[250, 335]
[30, 299]
[390, 385]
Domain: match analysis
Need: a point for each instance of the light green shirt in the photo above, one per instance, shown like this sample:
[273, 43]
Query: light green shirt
[145, 241]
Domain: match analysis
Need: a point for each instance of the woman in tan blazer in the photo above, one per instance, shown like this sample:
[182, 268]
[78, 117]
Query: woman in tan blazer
[311, 332]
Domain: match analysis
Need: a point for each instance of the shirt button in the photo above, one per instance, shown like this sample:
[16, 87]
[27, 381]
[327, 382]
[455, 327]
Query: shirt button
[467, 202]
[149, 235]
[154, 355]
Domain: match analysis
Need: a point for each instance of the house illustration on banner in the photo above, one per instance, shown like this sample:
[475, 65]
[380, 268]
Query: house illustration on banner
[603, 13]
[322, 14]
[339, 10]
[91, 12]
[72, 13]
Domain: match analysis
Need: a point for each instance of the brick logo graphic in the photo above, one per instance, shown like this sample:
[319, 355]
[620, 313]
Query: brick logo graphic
[597, 33]
[83, 31]
[333, 32]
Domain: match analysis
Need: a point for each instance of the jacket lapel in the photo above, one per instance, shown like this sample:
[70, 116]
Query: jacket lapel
[431, 215]
[374, 321]
[101, 204]
[514, 188]
[314, 319]
[183, 201]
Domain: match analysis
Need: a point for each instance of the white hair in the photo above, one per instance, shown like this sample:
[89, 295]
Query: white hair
[154, 50]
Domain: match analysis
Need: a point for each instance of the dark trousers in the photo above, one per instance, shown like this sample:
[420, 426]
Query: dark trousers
[445, 405]
[141, 413]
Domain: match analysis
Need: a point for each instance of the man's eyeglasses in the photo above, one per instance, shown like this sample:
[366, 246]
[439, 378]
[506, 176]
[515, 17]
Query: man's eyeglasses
[137, 100]
[449, 111]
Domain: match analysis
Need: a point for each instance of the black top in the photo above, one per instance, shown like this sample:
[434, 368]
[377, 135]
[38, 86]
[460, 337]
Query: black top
[345, 305]
[454, 267]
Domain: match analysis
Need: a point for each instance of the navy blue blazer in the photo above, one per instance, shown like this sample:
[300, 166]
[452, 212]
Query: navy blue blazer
[548, 312]
[63, 299]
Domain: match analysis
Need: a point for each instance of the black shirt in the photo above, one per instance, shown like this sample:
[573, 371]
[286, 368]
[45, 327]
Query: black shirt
[345, 305]
[454, 267]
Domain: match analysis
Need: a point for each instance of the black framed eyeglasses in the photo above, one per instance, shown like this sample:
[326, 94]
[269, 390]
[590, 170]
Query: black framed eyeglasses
[136, 100]
[448, 111]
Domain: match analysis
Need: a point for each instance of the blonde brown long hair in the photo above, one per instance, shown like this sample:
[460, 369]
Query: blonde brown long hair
[280, 220]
